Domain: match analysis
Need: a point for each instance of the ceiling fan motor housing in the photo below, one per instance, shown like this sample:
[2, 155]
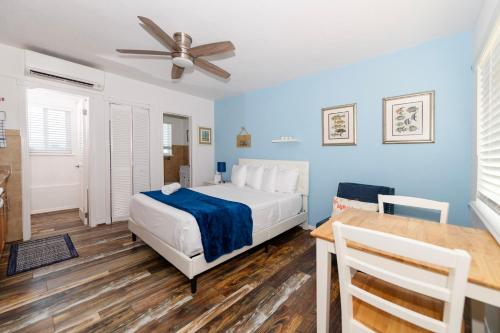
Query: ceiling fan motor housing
[182, 58]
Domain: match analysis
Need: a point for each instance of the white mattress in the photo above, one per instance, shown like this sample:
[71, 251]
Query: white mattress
[180, 230]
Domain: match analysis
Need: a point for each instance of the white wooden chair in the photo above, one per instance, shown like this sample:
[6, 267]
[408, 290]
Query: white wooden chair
[415, 202]
[375, 300]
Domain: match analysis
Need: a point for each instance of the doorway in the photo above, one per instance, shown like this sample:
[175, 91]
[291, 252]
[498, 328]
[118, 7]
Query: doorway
[176, 150]
[57, 136]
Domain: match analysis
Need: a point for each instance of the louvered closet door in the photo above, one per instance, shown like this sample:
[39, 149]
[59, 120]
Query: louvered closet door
[140, 149]
[121, 160]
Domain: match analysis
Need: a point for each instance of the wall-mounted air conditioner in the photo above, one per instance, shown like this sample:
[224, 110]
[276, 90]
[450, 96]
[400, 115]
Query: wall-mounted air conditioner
[55, 69]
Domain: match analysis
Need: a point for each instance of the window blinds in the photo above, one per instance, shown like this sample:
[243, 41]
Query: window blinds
[488, 125]
[167, 139]
[49, 131]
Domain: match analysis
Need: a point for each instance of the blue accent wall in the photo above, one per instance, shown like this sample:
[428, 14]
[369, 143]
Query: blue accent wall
[439, 171]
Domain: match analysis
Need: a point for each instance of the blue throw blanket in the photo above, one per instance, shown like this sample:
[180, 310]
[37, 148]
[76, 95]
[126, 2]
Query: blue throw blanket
[224, 225]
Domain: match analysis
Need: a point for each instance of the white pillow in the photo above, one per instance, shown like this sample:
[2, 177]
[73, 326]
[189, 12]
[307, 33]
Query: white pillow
[269, 179]
[254, 176]
[287, 180]
[239, 175]
[341, 204]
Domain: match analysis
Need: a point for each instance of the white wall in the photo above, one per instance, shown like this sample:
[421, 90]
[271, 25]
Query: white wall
[11, 68]
[117, 89]
[179, 127]
[55, 182]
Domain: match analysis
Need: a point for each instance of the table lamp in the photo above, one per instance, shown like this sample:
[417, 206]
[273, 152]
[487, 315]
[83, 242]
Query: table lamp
[221, 168]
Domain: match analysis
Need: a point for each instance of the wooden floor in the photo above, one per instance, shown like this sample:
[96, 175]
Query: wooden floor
[117, 285]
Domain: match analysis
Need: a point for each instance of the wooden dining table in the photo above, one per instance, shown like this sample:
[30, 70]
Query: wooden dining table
[483, 285]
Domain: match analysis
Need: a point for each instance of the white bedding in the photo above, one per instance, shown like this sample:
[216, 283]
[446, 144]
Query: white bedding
[180, 230]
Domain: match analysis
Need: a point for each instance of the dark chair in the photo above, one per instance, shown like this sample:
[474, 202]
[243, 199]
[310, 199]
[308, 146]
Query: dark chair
[365, 193]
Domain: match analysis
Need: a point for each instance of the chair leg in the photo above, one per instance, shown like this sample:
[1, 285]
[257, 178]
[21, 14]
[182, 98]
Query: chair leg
[134, 237]
[194, 284]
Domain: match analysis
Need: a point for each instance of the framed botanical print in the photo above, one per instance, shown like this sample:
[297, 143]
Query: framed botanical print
[339, 125]
[205, 135]
[409, 118]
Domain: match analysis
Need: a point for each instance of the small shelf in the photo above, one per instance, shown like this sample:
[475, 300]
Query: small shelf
[285, 140]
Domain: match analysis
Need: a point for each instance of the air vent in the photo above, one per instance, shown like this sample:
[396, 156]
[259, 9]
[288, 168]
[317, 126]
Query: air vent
[60, 78]
[49, 68]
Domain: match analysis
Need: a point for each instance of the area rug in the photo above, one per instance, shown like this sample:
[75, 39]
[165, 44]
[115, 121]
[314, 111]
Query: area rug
[38, 253]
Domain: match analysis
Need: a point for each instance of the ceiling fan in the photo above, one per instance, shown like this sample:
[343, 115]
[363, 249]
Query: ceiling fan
[183, 55]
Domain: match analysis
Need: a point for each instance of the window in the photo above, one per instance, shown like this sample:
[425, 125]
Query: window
[167, 139]
[488, 132]
[49, 130]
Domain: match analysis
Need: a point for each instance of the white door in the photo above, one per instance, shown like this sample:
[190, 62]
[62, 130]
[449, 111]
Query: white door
[140, 149]
[121, 160]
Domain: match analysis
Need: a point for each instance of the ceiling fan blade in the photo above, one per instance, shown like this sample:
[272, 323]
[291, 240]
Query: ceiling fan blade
[158, 32]
[209, 67]
[151, 52]
[177, 71]
[211, 49]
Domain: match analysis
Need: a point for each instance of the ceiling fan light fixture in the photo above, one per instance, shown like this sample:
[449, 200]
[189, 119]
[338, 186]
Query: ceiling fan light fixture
[183, 62]
[183, 55]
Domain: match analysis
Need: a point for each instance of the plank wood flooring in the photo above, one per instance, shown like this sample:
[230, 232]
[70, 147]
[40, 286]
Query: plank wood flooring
[117, 285]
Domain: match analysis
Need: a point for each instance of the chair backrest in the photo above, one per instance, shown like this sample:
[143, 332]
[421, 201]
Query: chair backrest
[365, 193]
[416, 202]
[350, 259]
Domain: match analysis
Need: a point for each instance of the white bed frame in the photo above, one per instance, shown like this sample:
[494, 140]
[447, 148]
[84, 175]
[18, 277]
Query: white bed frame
[193, 266]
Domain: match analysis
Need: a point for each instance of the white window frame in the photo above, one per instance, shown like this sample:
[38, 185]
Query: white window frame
[71, 133]
[488, 216]
[163, 140]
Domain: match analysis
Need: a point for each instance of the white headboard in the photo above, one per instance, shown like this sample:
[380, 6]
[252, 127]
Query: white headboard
[302, 166]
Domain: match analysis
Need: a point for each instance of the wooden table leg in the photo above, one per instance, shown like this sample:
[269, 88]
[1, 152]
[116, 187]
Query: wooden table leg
[323, 283]
[477, 316]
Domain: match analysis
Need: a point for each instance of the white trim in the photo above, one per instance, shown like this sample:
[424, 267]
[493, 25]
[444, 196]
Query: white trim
[56, 209]
[23, 85]
[488, 217]
[190, 144]
[53, 185]
[307, 226]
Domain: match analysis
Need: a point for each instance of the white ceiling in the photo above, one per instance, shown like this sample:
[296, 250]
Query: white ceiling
[276, 40]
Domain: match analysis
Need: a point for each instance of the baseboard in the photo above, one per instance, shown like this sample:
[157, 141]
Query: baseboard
[322, 221]
[106, 220]
[307, 226]
[51, 210]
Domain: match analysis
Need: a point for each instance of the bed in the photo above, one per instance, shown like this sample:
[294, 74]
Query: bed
[179, 240]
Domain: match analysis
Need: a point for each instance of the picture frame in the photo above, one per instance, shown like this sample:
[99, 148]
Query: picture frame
[408, 118]
[243, 139]
[339, 125]
[205, 135]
